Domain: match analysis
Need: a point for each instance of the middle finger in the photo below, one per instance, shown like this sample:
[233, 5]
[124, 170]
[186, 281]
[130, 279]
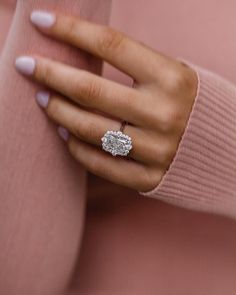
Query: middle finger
[88, 89]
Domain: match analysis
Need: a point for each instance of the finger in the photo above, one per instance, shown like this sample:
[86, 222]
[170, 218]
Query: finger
[91, 127]
[115, 169]
[106, 43]
[88, 89]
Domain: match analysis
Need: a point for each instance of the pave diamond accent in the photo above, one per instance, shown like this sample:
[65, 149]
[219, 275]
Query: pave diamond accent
[116, 143]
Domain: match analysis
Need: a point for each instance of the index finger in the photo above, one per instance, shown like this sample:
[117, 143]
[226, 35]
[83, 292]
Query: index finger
[119, 50]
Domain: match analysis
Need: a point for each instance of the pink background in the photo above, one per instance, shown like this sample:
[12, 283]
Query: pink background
[135, 245]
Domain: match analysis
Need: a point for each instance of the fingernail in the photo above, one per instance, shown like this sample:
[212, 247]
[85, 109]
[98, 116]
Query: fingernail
[42, 18]
[25, 65]
[42, 98]
[63, 132]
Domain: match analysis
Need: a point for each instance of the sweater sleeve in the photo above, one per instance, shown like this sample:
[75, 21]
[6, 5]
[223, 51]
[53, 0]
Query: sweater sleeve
[202, 175]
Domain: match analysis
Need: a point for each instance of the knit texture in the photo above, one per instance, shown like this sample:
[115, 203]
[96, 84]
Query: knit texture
[202, 175]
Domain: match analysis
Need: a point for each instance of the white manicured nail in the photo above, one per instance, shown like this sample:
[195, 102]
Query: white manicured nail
[25, 65]
[42, 19]
[63, 132]
[42, 98]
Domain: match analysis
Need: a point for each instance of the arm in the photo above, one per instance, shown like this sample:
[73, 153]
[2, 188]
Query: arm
[42, 189]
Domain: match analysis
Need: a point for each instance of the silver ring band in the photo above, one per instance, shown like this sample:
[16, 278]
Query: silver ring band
[122, 126]
[116, 142]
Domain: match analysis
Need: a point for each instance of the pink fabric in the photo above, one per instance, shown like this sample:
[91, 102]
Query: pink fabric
[202, 175]
[42, 188]
[131, 244]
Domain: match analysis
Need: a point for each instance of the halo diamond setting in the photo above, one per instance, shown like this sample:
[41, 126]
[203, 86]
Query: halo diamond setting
[116, 143]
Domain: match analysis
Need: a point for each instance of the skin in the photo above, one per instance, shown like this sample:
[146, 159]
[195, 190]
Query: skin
[157, 108]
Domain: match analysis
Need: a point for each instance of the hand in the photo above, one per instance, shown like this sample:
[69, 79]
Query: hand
[157, 108]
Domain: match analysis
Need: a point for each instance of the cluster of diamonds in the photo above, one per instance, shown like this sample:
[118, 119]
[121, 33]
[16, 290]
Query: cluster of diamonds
[116, 143]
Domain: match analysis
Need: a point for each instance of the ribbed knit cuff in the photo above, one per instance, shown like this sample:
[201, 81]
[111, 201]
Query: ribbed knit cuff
[202, 175]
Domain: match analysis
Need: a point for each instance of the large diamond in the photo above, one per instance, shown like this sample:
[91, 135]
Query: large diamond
[116, 143]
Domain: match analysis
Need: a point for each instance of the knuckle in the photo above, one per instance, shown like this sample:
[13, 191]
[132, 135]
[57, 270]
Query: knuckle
[45, 73]
[85, 131]
[151, 178]
[181, 79]
[166, 153]
[89, 92]
[111, 41]
[69, 28]
[177, 81]
[169, 118]
[92, 91]
[72, 147]
[95, 167]
[53, 109]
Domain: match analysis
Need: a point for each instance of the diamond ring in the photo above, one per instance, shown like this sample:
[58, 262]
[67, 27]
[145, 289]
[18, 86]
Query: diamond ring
[116, 142]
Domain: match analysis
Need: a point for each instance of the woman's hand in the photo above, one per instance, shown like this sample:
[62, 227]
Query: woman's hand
[157, 108]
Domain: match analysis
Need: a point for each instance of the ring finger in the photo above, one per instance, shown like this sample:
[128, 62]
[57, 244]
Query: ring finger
[90, 126]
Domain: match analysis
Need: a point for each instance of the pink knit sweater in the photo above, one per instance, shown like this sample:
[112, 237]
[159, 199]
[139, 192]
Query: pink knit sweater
[202, 175]
[178, 239]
